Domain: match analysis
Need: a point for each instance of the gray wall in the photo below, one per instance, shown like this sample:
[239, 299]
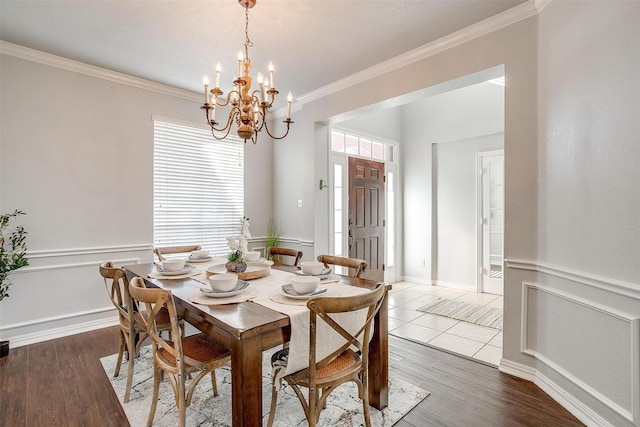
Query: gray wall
[76, 154]
[455, 241]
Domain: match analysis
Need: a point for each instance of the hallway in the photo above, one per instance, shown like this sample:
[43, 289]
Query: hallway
[467, 339]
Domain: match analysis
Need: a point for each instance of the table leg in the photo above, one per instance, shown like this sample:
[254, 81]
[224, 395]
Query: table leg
[379, 360]
[246, 382]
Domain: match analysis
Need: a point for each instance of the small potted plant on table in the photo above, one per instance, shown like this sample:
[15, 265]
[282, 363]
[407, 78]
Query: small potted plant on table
[238, 245]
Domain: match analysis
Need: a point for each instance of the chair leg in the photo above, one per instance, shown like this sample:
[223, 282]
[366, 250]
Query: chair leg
[313, 407]
[132, 350]
[214, 383]
[274, 401]
[181, 401]
[156, 389]
[365, 397]
[121, 346]
[127, 391]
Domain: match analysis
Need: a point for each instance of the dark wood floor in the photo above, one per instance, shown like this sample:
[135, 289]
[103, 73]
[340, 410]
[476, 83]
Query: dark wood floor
[61, 383]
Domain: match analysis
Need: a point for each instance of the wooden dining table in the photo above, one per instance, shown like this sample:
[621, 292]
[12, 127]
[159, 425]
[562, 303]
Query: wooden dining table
[247, 329]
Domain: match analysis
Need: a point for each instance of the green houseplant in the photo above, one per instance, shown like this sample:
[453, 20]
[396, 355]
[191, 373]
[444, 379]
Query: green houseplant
[274, 231]
[13, 249]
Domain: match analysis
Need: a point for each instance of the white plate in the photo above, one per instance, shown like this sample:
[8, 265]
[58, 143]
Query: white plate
[185, 270]
[205, 259]
[324, 273]
[329, 278]
[241, 286]
[288, 288]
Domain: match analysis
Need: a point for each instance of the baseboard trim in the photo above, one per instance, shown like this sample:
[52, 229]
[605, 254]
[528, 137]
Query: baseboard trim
[564, 398]
[452, 285]
[418, 280]
[63, 331]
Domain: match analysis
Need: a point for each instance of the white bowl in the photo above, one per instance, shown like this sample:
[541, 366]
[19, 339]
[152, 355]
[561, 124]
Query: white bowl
[305, 284]
[173, 264]
[199, 254]
[312, 267]
[224, 282]
[251, 256]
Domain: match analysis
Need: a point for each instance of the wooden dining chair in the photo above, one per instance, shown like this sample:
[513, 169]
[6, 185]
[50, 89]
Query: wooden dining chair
[275, 254]
[356, 266]
[347, 363]
[132, 330]
[166, 250]
[179, 358]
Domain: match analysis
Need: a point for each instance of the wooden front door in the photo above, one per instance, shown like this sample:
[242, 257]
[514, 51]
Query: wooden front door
[366, 215]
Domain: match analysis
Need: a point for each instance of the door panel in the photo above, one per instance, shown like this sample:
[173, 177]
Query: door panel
[366, 215]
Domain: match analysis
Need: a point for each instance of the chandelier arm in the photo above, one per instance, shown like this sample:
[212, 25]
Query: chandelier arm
[226, 128]
[220, 104]
[255, 96]
[266, 127]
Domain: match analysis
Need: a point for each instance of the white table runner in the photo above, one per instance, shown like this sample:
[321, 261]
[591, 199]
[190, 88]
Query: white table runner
[299, 315]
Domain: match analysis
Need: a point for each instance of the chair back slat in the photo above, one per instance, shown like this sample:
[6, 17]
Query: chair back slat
[275, 254]
[154, 300]
[117, 286]
[355, 265]
[167, 250]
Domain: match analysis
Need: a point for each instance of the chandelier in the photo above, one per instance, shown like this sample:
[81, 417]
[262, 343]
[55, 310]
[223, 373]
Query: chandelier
[249, 109]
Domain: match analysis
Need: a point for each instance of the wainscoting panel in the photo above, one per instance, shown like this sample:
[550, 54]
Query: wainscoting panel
[592, 345]
[61, 293]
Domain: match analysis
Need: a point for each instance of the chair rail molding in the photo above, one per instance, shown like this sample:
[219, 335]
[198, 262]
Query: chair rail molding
[603, 283]
[50, 253]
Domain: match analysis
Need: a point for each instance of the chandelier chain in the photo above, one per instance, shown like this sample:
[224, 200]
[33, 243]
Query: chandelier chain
[247, 43]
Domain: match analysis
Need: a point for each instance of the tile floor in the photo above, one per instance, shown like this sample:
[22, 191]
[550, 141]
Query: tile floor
[467, 339]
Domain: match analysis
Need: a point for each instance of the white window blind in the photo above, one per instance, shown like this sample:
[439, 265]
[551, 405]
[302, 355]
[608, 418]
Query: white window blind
[198, 187]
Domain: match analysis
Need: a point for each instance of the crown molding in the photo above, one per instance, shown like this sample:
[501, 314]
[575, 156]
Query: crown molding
[93, 71]
[489, 25]
[541, 4]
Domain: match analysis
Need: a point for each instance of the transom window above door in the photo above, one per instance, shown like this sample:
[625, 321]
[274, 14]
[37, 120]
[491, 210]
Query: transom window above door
[354, 145]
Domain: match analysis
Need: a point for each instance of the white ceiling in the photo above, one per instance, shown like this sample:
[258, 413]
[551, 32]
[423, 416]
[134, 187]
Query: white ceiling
[311, 42]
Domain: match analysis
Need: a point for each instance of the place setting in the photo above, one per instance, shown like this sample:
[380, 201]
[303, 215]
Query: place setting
[317, 269]
[225, 288]
[298, 290]
[199, 256]
[173, 269]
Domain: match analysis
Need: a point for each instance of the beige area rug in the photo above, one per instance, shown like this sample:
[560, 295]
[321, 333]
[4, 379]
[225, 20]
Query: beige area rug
[343, 407]
[467, 312]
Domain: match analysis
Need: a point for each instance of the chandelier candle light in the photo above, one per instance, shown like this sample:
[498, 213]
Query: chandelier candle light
[249, 109]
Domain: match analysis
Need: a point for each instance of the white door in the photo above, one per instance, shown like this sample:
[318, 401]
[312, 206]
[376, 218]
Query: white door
[492, 221]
